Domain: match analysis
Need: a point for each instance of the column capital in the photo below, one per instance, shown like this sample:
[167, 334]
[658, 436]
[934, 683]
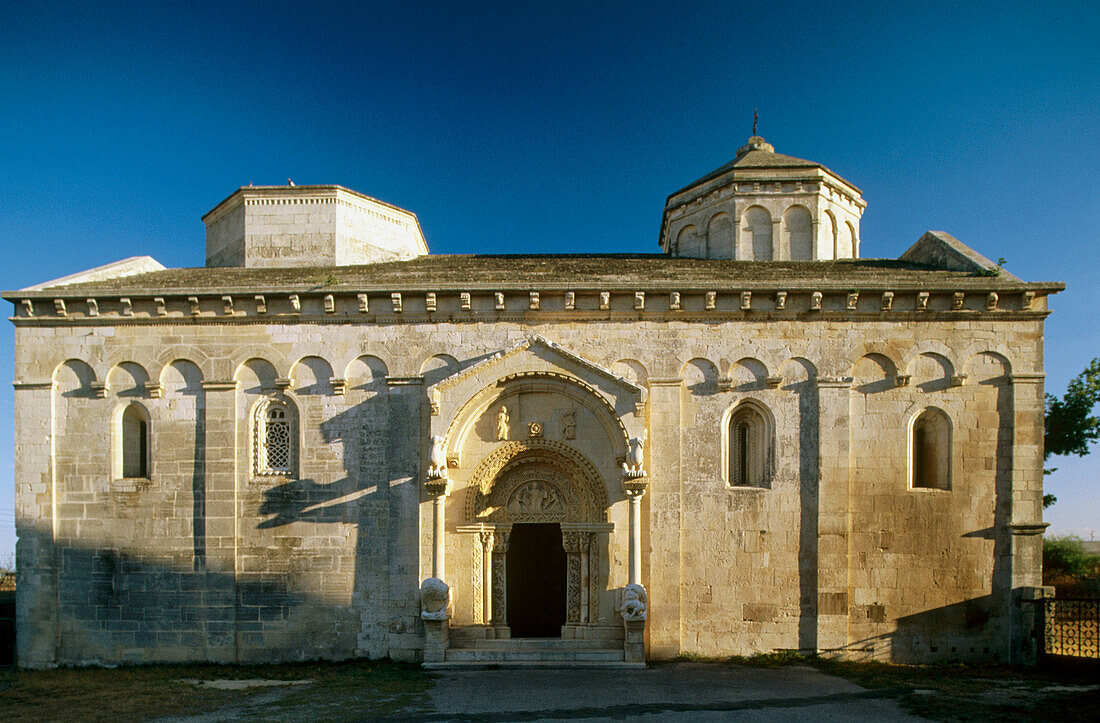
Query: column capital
[437, 487]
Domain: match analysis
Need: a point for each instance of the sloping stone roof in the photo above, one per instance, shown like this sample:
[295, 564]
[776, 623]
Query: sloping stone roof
[565, 271]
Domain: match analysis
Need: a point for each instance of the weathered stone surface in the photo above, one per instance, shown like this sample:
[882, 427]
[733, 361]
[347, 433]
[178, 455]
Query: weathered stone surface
[766, 445]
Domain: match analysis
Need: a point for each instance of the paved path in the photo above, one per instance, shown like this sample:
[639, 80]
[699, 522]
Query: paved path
[678, 691]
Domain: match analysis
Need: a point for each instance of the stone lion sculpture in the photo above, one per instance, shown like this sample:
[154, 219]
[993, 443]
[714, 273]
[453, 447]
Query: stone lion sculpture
[634, 603]
[434, 596]
[437, 459]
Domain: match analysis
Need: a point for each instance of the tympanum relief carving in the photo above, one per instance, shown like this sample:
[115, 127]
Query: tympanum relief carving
[535, 498]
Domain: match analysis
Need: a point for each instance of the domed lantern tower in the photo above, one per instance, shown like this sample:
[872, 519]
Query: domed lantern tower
[764, 206]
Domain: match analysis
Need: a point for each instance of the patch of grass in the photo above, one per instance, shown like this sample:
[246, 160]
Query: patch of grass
[770, 660]
[977, 692]
[339, 691]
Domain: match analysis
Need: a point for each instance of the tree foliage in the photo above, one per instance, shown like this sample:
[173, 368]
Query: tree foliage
[1066, 557]
[1070, 427]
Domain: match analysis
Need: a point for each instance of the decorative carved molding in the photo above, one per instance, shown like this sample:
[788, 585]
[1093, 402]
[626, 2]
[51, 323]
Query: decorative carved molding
[512, 464]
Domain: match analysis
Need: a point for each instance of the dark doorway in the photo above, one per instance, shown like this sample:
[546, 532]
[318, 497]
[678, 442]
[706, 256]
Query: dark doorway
[536, 581]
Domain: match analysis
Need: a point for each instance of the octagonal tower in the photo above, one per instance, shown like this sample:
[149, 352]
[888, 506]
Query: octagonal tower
[764, 206]
[270, 226]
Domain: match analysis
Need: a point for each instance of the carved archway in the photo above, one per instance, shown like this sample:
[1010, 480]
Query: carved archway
[540, 481]
[507, 484]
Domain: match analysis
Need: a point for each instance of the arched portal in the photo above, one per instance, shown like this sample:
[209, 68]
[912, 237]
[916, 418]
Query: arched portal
[535, 435]
[546, 505]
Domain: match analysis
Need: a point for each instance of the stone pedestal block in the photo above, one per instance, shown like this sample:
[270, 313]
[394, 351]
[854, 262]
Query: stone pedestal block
[634, 641]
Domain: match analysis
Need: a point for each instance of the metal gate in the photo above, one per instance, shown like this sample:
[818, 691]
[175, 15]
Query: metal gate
[1070, 629]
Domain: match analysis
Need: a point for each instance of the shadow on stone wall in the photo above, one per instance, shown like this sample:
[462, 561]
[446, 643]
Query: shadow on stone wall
[808, 434]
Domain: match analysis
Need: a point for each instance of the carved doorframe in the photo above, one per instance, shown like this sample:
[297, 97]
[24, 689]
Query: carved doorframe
[538, 481]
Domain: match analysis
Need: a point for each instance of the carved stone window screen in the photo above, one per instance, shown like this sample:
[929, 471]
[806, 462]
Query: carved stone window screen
[275, 439]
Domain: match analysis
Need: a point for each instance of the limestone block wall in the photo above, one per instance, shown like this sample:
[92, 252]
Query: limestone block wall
[207, 559]
[278, 226]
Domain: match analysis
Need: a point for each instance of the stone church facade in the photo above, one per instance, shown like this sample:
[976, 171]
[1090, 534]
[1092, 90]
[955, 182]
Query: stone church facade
[328, 443]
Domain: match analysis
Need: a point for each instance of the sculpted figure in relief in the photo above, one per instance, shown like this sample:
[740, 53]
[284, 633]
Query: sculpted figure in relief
[437, 459]
[632, 467]
[502, 424]
[634, 603]
[569, 424]
[535, 497]
[434, 596]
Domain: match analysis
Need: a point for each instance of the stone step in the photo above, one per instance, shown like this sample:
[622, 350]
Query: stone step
[535, 644]
[468, 655]
[482, 665]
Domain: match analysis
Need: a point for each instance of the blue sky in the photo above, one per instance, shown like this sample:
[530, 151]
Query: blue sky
[554, 127]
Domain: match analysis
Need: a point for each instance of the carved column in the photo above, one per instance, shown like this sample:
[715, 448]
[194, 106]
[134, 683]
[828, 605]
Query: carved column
[438, 487]
[594, 577]
[585, 561]
[486, 538]
[572, 543]
[634, 489]
[499, 596]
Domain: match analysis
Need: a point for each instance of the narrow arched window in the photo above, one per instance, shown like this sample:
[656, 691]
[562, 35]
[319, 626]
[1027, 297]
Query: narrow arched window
[930, 451]
[275, 437]
[748, 443]
[134, 442]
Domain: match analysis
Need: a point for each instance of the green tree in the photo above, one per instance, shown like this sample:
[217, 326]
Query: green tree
[1069, 426]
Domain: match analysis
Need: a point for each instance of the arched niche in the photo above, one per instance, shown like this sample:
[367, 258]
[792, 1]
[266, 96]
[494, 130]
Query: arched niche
[931, 372]
[438, 367]
[311, 375]
[756, 232]
[873, 373]
[182, 377]
[845, 242]
[826, 236]
[798, 226]
[566, 408]
[366, 373]
[748, 374]
[256, 376]
[465, 406]
[74, 378]
[128, 379]
[987, 367]
[689, 242]
[720, 237]
[700, 377]
[631, 370]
